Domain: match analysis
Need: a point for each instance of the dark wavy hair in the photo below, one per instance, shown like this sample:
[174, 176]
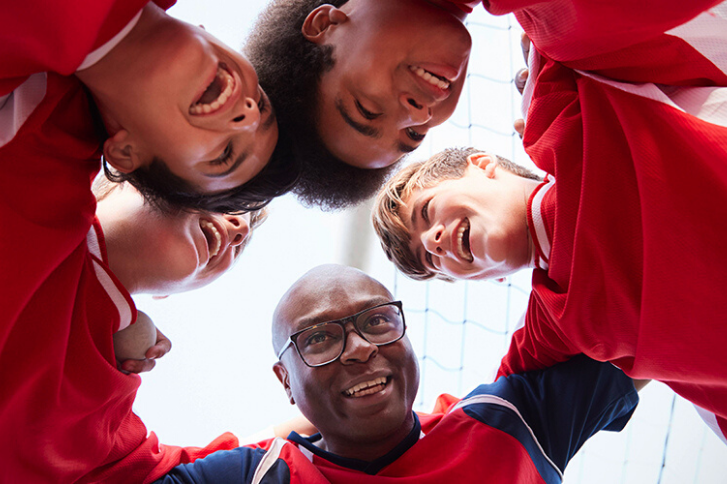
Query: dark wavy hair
[289, 68]
[167, 191]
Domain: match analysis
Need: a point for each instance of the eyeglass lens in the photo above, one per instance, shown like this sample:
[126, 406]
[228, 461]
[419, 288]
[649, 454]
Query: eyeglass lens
[323, 343]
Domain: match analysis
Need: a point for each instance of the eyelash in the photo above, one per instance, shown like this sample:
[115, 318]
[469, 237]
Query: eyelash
[413, 135]
[364, 112]
[226, 156]
[425, 211]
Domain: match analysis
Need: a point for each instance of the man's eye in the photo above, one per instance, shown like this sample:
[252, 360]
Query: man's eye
[261, 104]
[425, 211]
[428, 259]
[225, 157]
[365, 112]
[414, 136]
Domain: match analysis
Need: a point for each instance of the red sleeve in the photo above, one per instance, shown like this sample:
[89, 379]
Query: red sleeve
[40, 36]
[620, 39]
[534, 346]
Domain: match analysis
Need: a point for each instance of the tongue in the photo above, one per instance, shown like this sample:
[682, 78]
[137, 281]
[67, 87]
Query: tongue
[213, 92]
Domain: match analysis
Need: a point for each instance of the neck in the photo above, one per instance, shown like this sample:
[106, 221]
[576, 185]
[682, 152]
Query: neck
[528, 186]
[107, 78]
[366, 449]
[449, 7]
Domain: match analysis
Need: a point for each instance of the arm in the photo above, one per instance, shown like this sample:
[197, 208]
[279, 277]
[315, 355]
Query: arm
[568, 403]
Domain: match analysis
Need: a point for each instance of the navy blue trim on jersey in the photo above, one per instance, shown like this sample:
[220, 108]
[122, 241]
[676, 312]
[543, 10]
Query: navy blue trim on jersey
[234, 466]
[370, 468]
[563, 407]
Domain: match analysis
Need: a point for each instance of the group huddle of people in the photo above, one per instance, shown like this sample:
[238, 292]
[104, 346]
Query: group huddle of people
[138, 154]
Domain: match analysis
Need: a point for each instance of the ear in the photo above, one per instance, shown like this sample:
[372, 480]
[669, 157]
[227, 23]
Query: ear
[282, 373]
[485, 161]
[119, 151]
[318, 22]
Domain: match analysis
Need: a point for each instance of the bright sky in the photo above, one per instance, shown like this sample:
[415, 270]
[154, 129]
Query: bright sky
[218, 376]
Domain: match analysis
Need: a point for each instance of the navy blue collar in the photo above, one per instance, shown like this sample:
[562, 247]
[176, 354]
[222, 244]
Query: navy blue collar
[370, 468]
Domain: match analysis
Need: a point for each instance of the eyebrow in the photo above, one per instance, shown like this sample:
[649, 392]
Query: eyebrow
[320, 319]
[365, 130]
[240, 159]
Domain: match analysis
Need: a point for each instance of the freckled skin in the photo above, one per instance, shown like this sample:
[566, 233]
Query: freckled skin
[132, 342]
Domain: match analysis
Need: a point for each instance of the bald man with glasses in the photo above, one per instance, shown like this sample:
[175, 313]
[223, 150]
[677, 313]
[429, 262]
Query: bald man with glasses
[345, 361]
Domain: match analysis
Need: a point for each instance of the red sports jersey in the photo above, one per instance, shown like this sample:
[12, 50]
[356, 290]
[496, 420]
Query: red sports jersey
[633, 236]
[515, 430]
[65, 410]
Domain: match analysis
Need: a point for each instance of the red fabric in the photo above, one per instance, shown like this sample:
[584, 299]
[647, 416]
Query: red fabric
[65, 410]
[637, 271]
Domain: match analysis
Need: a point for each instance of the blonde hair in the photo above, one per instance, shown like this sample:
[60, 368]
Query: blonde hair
[386, 215]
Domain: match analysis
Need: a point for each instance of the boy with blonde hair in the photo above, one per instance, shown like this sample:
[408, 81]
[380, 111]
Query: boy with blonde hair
[601, 281]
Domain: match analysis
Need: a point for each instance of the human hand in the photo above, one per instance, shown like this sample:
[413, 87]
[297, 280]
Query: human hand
[521, 78]
[161, 347]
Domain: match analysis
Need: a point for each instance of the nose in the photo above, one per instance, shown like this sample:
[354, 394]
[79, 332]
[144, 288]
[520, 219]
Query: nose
[245, 115]
[357, 349]
[238, 228]
[418, 112]
[432, 240]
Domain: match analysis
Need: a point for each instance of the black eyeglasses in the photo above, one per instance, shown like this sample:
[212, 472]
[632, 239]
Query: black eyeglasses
[324, 343]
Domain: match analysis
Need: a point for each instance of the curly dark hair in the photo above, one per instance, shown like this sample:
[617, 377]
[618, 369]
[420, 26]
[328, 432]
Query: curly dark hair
[167, 191]
[289, 68]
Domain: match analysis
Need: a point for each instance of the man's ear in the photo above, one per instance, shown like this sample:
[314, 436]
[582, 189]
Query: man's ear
[282, 373]
[120, 153]
[484, 161]
[318, 23]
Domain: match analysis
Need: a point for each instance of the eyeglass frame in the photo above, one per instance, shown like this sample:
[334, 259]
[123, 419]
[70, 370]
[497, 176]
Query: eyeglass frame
[292, 339]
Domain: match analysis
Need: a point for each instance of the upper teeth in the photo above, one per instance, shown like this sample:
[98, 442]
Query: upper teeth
[429, 77]
[217, 241]
[462, 252]
[229, 81]
[366, 388]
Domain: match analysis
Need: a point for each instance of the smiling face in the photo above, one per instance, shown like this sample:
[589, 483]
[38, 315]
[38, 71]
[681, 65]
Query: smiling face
[399, 70]
[361, 403]
[157, 253]
[473, 227]
[190, 101]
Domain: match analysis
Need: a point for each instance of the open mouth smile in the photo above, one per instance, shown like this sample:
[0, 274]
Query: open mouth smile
[462, 241]
[367, 388]
[433, 79]
[217, 94]
[213, 236]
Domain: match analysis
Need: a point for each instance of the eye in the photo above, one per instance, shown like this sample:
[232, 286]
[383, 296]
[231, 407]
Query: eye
[365, 112]
[425, 211]
[225, 157]
[428, 259]
[414, 136]
[262, 105]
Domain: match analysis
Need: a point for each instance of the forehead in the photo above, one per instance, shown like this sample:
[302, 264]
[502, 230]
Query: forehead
[311, 305]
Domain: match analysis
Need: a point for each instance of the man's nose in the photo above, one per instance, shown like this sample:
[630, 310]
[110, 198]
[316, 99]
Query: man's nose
[433, 240]
[417, 110]
[357, 350]
[238, 228]
[244, 115]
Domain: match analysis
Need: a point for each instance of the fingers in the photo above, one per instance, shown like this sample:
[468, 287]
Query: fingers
[525, 46]
[519, 126]
[137, 366]
[160, 348]
[521, 78]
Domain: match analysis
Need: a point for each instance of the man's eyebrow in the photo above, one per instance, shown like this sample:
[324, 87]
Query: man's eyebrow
[405, 148]
[323, 318]
[361, 128]
[240, 159]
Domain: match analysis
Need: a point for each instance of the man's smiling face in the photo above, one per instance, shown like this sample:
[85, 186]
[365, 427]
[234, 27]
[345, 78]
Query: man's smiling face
[399, 70]
[364, 399]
